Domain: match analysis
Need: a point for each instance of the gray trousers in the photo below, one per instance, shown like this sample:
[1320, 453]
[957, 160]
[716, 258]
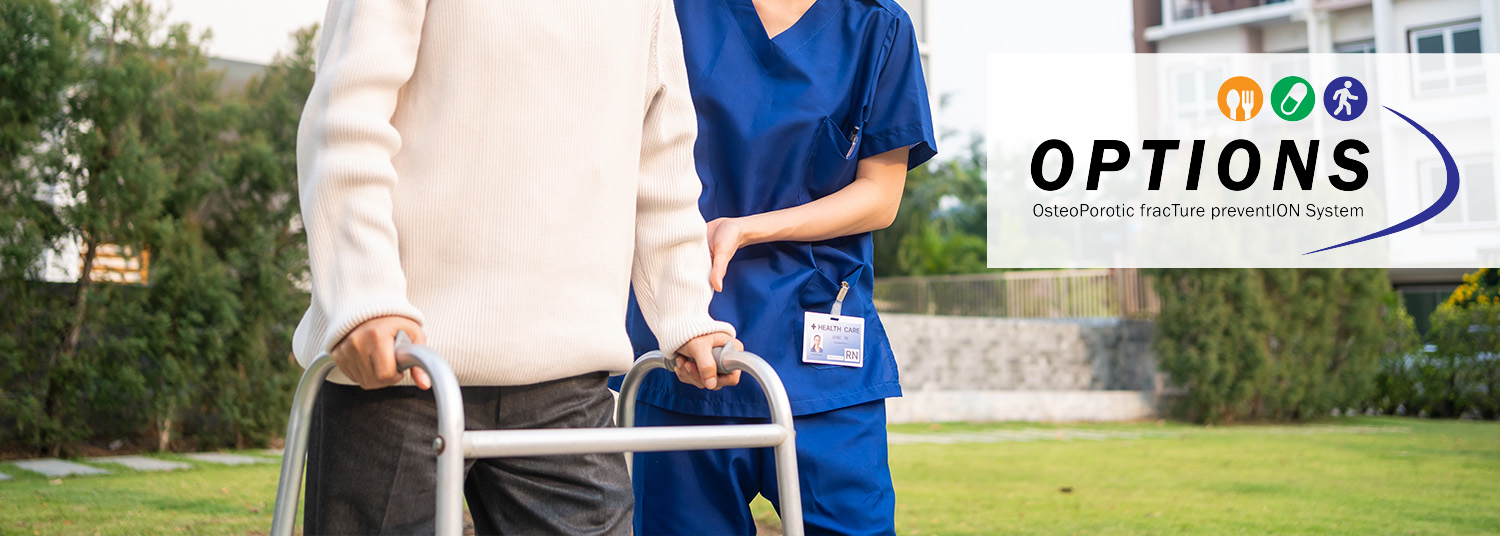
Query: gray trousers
[371, 468]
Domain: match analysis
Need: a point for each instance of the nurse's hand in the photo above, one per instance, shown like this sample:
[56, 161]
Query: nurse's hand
[695, 362]
[725, 236]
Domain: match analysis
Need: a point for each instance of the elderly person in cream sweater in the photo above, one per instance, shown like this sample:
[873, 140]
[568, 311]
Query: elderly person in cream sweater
[492, 178]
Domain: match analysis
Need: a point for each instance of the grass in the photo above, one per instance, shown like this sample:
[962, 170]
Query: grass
[1439, 477]
[207, 499]
[1404, 477]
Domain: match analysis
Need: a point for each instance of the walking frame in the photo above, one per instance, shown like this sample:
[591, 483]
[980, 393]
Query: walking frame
[452, 444]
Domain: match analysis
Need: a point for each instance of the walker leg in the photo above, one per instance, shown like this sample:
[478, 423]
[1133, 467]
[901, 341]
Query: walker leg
[294, 457]
[787, 480]
[447, 446]
[788, 484]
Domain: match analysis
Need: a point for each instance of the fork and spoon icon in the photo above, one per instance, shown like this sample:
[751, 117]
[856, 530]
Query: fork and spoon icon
[1240, 103]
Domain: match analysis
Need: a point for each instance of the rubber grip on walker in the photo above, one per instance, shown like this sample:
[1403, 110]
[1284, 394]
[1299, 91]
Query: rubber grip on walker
[403, 340]
[719, 360]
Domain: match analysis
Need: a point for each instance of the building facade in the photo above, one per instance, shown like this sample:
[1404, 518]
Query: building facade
[1453, 91]
[1461, 26]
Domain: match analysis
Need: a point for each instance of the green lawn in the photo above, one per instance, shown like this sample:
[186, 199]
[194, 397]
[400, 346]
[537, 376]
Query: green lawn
[1400, 477]
[1440, 478]
[207, 499]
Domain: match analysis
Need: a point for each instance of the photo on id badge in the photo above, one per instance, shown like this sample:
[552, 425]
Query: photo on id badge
[833, 340]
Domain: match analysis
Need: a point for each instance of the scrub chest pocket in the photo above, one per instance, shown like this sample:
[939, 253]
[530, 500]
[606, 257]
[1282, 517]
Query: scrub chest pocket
[833, 160]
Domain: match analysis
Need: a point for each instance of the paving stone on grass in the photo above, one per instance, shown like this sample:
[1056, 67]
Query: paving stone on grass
[964, 437]
[915, 439]
[273, 452]
[1080, 434]
[142, 463]
[4, 477]
[54, 467]
[225, 458]
[1007, 435]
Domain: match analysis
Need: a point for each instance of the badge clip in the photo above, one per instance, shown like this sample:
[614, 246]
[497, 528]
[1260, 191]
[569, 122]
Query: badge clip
[838, 303]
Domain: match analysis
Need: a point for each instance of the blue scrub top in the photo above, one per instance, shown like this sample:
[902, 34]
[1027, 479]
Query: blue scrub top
[782, 122]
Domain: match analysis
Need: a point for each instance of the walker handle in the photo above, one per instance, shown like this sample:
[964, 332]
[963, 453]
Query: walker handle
[719, 360]
[718, 352]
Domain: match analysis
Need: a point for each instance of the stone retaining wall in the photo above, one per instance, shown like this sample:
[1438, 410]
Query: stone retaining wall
[991, 369]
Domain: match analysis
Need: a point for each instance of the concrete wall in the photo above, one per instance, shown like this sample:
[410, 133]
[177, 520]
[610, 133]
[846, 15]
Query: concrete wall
[1414, 14]
[979, 369]
[1285, 37]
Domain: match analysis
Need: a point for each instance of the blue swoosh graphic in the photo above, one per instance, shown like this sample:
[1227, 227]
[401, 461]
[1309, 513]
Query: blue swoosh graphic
[1450, 192]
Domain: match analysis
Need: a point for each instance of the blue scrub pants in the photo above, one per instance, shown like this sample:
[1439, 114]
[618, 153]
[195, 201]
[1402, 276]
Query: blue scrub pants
[841, 459]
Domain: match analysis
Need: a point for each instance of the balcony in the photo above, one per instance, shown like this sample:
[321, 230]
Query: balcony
[1181, 17]
[1181, 10]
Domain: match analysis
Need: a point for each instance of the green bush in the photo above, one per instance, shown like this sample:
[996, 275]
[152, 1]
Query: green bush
[1457, 373]
[1288, 344]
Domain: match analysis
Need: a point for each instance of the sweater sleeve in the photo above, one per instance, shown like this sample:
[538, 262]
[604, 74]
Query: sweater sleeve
[670, 274]
[345, 144]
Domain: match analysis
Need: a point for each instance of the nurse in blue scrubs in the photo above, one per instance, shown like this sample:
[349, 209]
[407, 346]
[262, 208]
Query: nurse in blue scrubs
[810, 113]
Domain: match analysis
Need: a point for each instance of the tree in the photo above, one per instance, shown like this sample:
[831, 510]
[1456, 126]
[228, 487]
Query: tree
[124, 126]
[1210, 339]
[939, 228]
[253, 226]
[1326, 338]
[1284, 344]
[42, 44]
[145, 121]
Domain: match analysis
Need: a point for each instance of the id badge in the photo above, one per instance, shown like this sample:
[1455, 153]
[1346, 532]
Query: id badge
[833, 340]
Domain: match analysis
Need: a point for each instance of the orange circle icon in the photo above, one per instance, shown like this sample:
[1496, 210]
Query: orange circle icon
[1240, 98]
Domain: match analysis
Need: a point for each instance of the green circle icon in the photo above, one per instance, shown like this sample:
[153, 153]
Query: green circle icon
[1292, 98]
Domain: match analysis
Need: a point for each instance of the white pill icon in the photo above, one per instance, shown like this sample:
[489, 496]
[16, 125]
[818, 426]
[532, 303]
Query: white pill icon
[1296, 95]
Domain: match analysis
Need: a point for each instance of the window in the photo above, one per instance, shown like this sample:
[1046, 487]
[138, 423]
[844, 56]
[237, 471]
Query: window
[1422, 300]
[1476, 203]
[1189, 9]
[1195, 91]
[1448, 59]
[1356, 47]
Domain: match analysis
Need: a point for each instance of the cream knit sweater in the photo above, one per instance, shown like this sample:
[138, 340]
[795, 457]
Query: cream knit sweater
[502, 172]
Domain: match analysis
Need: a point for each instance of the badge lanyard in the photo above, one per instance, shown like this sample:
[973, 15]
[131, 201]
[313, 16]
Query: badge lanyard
[833, 339]
[838, 303]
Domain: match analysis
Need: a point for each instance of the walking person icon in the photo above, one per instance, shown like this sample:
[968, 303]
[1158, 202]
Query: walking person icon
[1347, 98]
[1343, 97]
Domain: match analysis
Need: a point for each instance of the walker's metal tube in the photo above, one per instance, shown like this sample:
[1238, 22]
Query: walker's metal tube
[787, 480]
[453, 445]
[450, 456]
[294, 455]
[450, 412]
[630, 387]
[563, 441]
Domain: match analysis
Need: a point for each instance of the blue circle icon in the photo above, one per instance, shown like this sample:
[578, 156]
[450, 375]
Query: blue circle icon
[1345, 98]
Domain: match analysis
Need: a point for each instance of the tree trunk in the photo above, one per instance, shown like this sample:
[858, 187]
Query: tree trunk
[69, 345]
[164, 429]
